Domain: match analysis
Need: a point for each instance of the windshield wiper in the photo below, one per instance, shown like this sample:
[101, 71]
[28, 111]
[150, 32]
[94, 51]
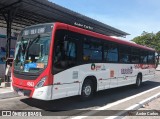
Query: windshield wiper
[22, 44]
[28, 46]
[31, 42]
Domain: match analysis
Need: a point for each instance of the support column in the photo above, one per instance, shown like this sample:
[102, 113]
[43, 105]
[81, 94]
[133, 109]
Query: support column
[9, 24]
[8, 15]
[8, 18]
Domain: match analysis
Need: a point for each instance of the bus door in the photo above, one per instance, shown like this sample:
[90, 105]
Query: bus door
[66, 78]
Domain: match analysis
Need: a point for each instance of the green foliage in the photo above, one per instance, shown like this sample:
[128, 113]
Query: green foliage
[149, 39]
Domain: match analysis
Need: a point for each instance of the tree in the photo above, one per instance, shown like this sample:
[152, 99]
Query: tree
[157, 42]
[150, 40]
[146, 39]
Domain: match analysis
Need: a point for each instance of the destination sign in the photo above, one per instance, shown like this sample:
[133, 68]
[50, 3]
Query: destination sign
[38, 29]
[34, 31]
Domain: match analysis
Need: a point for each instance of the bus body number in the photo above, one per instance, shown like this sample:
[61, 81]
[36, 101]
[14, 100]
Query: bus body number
[31, 84]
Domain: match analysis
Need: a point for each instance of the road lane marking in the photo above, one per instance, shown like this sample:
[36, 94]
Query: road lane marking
[136, 106]
[113, 104]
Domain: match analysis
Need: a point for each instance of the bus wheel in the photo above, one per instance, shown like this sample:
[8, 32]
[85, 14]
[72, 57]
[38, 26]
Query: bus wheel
[138, 81]
[87, 90]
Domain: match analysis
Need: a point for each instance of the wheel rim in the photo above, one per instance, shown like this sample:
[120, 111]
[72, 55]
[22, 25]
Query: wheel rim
[87, 90]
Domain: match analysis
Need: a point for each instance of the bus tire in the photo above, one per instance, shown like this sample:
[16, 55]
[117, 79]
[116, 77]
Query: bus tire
[87, 90]
[138, 81]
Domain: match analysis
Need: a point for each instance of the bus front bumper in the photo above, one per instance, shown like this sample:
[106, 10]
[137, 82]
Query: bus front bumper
[43, 93]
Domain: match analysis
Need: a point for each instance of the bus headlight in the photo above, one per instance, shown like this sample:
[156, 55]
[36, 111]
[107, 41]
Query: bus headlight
[41, 82]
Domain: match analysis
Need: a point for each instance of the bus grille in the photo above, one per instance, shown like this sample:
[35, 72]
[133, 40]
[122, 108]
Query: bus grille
[26, 92]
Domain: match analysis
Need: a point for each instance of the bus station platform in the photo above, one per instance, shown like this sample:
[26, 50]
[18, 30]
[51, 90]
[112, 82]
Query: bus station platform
[6, 92]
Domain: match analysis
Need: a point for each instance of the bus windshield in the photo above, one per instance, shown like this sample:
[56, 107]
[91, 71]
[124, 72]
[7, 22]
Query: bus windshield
[32, 51]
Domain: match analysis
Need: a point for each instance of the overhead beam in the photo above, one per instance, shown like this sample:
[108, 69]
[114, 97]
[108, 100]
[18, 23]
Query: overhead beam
[28, 15]
[15, 4]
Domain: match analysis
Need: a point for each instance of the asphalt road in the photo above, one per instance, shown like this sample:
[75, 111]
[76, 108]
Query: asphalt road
[73, 104]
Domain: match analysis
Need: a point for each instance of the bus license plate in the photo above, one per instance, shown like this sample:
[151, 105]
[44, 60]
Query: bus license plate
[21, 93]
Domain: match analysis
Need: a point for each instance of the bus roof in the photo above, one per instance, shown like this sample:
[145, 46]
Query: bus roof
[91, 33]
[108, 38]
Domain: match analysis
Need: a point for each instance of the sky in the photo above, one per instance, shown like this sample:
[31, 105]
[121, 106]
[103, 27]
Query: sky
[131, 16]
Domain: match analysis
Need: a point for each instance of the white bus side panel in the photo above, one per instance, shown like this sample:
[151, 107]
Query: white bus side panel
[65, 90]
[66, 83]
[69, 82]
[148, 74]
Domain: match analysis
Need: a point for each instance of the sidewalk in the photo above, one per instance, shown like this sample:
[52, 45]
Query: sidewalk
[147, 111]
[6, 92]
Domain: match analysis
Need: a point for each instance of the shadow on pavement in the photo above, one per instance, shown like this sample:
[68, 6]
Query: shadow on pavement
[100, 99]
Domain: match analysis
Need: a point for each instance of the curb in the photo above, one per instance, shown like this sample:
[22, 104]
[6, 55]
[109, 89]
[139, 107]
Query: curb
[135, 107]
[8, 94]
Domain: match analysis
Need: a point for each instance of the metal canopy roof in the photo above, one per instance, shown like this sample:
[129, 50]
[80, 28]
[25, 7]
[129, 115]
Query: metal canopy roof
[29, 12]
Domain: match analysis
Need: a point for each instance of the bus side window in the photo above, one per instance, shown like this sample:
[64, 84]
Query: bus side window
[151, 58]
[70, 50]
[125, 54]
[144, 57]
[65, 52]
[110, 52]
[135, 55]
[92, 50]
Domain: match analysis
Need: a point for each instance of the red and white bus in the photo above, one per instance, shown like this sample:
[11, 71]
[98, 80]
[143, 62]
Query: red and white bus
[57, 60]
